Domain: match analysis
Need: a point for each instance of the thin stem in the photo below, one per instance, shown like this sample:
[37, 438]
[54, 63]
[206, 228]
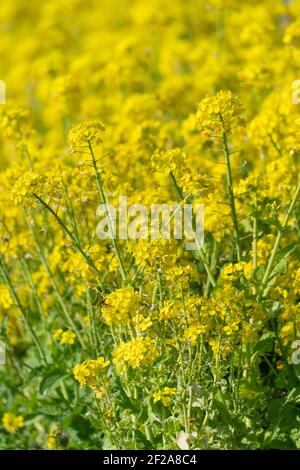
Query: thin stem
[213, 263]
[277, 241]
[55, 288]
[71, 236]
[105, 200]
[15, 298]
[231, 197]
[254, 242]
[159, 282]
[92, 322]
[36, 298]
[201, 251]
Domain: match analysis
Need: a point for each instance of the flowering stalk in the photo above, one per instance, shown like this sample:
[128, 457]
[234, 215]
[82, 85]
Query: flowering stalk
[254, 241]
[92, 322]
[213, 263]
[201, 251]
[254, 247]
[231, 196]
[217, 116]
[71, 236]
[105, 200]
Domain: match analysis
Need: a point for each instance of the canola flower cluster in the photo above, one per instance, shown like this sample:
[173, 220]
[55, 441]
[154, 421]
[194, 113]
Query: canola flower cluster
[86, 134]
[64, 337]
[165, 395]
[219, 114]
[132, 344]
[120, 306]
[12, 422]
[137, 352]
[88, 374]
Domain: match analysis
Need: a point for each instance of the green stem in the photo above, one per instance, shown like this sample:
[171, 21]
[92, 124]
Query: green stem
[55, 288]
[36, 298]
[15, 298]
[149, 434]
[231, 197]
[201, 251]
[104, 198]
[212, 266]
[277, 241]
[92, 322]
[71, 236]
[254, 241]
[160, 286]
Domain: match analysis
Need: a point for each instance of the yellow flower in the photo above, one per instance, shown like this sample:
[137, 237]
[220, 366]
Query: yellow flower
[64, 337]
[84, 134]
[287, 332]
[5, 298]
[144, 323]
[57, 333]
[165, 396]
[137, 352]
[121, 306]
[194, 330]
[56, 440]
[30, 185]
[52, 437]
[231, 328]
[15, 124]
[154, 254]
[178, 163]
[292, 32]
[12, 422]
[168, 160]
[88, 374]
[169, 310]
[68, 337]
[220, 113]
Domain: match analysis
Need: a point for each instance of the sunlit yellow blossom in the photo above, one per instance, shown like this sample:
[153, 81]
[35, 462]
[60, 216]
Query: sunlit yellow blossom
[89, 373]
[86, 133]
[165, 396]
[32, 185]
[121, 305]
[219, 113]
[5, 297]
[15, 123]
[64, 337]
[12, 422]
[137, 352]
[154, 254]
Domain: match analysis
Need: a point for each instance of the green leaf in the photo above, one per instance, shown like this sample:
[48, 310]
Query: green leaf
[51, 410]
[259, 273]
[280, 444]
[51, 379]
[140, 437]
[264, 345]
[274, 409]
[280, 262]
[251, 391]
[95, 422]
[223, 411]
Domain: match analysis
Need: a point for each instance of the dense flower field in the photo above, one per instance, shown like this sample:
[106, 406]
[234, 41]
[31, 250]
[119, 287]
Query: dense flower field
[142, 344]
